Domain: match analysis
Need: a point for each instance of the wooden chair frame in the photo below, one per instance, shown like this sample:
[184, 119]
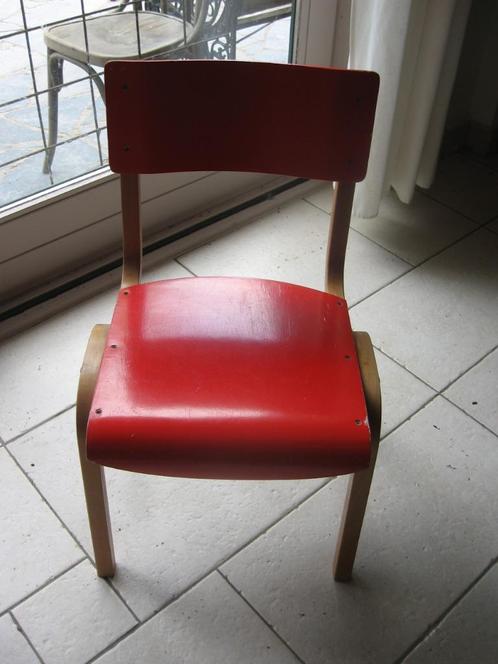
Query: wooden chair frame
[359, 483]
[130, 155]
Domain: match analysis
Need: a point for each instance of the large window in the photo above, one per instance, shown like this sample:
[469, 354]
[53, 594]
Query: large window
[60, 202]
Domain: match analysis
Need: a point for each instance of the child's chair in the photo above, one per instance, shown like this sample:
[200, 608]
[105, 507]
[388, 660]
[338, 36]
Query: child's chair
[229, 377]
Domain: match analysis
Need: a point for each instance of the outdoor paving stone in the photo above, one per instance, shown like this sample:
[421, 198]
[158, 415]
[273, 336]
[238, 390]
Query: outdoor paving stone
[20, 133]
[429, 531]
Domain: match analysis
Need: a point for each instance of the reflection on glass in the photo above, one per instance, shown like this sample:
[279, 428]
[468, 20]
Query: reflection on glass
[61, 47]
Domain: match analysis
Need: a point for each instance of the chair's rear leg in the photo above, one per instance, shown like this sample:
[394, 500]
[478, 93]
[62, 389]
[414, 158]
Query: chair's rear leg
[54, 81]
[359, 483]
[93, 474]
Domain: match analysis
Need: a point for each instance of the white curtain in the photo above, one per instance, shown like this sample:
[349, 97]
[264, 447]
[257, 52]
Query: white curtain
[414, 45]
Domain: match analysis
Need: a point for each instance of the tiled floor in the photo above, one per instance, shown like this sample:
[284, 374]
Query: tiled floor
[240, 571]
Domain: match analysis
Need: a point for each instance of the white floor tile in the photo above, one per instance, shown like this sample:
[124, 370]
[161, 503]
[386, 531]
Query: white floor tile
[430, 529]
[468, 187]
[74, 618]
[289, 245]
[39, 368]
[468, 633]
[14, 649]
[321, 197]
[210, 624]
[489, 160]
[402, 393]
[33, 545]
[168, 532]
[477, 391]
[413, 232]
[442, 317]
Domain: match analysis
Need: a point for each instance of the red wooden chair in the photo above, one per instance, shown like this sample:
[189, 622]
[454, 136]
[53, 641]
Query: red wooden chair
[228, 377]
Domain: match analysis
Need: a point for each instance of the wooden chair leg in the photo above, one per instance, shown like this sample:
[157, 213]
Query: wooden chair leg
[92, 473]
[359, 483]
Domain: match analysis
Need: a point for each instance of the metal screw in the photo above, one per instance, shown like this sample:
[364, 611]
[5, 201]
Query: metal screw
[98, 411]
[357, 422]
[113, 346]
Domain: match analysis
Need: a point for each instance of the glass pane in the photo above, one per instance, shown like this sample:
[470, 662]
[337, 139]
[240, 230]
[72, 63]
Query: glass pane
[52, 117]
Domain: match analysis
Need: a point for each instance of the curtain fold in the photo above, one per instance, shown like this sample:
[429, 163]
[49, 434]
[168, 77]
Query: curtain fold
[414, 45]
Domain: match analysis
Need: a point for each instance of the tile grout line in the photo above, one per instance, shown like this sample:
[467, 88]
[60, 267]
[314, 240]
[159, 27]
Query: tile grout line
[402, 366]
[117, 641]
[408, 418]
[39, 424]
[493, 433]
[440, 393]
[416, 267]
[45, 501]
[424, 382]
[118, 593]
[483, 357]
[479, 224]
[351, 228]
[389, 251]
[262, 618]
[44, 585]
[475, 159]
[210, 571]
[177, 260]
[28, 640]
[70, 533]
[444, 614]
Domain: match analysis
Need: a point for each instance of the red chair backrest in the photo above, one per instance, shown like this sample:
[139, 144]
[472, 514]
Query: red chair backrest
[200, 115]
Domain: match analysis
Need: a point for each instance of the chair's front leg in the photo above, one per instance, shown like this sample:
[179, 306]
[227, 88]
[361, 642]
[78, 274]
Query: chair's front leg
[92, 473]
[359, 483]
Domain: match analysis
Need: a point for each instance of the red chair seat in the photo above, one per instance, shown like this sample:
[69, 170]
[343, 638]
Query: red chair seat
[229, 378]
